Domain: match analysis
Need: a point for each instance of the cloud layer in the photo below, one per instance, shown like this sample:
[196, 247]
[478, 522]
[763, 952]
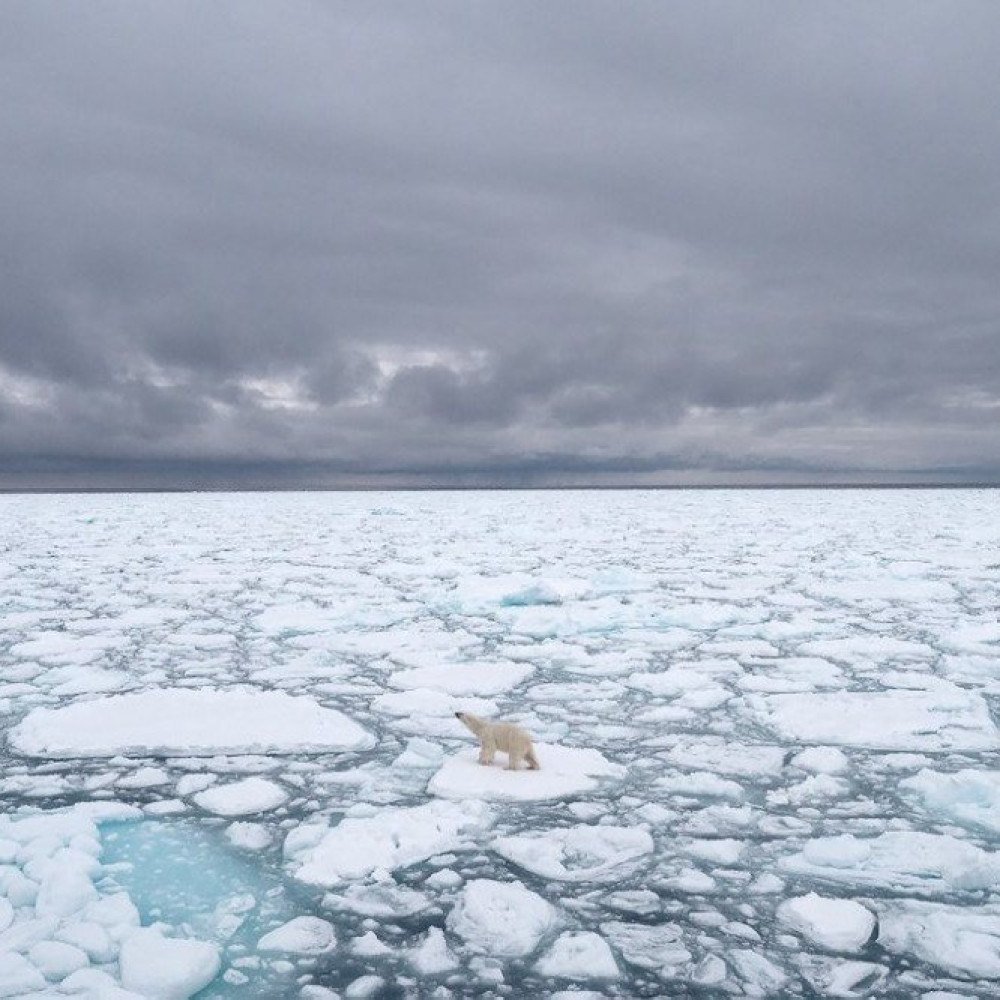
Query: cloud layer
[577, 241]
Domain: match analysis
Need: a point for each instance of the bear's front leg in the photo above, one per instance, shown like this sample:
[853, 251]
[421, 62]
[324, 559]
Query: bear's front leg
[486, 752]
[513, 760]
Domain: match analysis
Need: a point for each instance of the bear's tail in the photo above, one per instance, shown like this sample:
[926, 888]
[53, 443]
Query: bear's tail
[531, 759]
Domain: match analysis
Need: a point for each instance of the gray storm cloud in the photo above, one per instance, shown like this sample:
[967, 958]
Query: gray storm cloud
[644, 242]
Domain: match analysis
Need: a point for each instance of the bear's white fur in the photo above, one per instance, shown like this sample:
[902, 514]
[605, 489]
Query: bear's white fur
[505, 736]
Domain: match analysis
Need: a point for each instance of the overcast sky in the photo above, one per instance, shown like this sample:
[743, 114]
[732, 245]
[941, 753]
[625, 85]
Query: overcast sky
[517, 242]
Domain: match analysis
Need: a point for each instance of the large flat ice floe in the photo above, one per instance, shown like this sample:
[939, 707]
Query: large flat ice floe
[563, 772]
[945, 718]
[186, 722]
[393, 838]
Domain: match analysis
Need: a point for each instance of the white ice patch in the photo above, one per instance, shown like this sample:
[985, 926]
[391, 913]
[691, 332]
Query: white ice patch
[300, 936]
[183, 721]
[164, 968]
[433, 956]
[657, 948]
[822, 760]
[711, 753]
[577, 853]
[393, 838]
[959, 940]
[835, 924]
[578, 955]
[969, 797]
[423, 701]
[564, 772]
[503, 919]
[946, 717]
[242, 798]
[483, 678]
[899, 860]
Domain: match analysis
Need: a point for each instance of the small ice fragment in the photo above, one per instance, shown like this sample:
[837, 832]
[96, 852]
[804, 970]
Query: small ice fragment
[242, 798]
[369, 946]
[821, 760]
[248, 836]
[300, 936]
[364, 986]
[578, 955]
[432, 956]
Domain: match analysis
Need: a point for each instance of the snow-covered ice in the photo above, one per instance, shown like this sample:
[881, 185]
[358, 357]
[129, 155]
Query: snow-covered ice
[300, 936]
[178, 721]
[837, 924]
[766, 721]
[393, 838]
[577, 853]
[564, 772]
[580, 955]
[502, 919]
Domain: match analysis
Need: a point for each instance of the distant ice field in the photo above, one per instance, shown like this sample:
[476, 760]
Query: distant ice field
[766, 721]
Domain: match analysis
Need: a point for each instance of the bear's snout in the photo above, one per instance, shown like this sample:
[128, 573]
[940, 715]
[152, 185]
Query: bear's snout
[458, 715]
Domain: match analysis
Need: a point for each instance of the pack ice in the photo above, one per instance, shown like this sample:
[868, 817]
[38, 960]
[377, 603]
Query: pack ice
[766, 722]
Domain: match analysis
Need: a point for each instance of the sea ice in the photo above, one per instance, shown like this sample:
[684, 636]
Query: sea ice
[576, 853]
[242, 798]
[181, 721]
[912, 861]
[944, 718]
[432, 956]
[836, 924]
[658, 948]
[393, 838]
[482, 678]
[968, 797]
[300, 936]
[501, 918]
[564, 772]
[164, 968]
[578, 955]
[962, 941]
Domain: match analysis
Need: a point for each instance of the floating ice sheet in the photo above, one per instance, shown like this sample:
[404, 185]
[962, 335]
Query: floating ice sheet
[563, 772]
[183, 722]
[945, 718]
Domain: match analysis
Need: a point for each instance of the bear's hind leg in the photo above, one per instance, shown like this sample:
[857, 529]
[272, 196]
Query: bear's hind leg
[513, 760]
[531, 759]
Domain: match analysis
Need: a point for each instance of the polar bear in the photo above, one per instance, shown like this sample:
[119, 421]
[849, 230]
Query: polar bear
[505, 736]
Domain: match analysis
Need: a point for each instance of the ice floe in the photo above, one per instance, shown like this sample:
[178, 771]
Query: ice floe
[837, 924]
[242, 798]
[968, 797]
[392, 838]
[576, 853]
[183, 721]
[564, 772]
[944, 718]
[504, 919]
[955, 939]
[924, 863]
